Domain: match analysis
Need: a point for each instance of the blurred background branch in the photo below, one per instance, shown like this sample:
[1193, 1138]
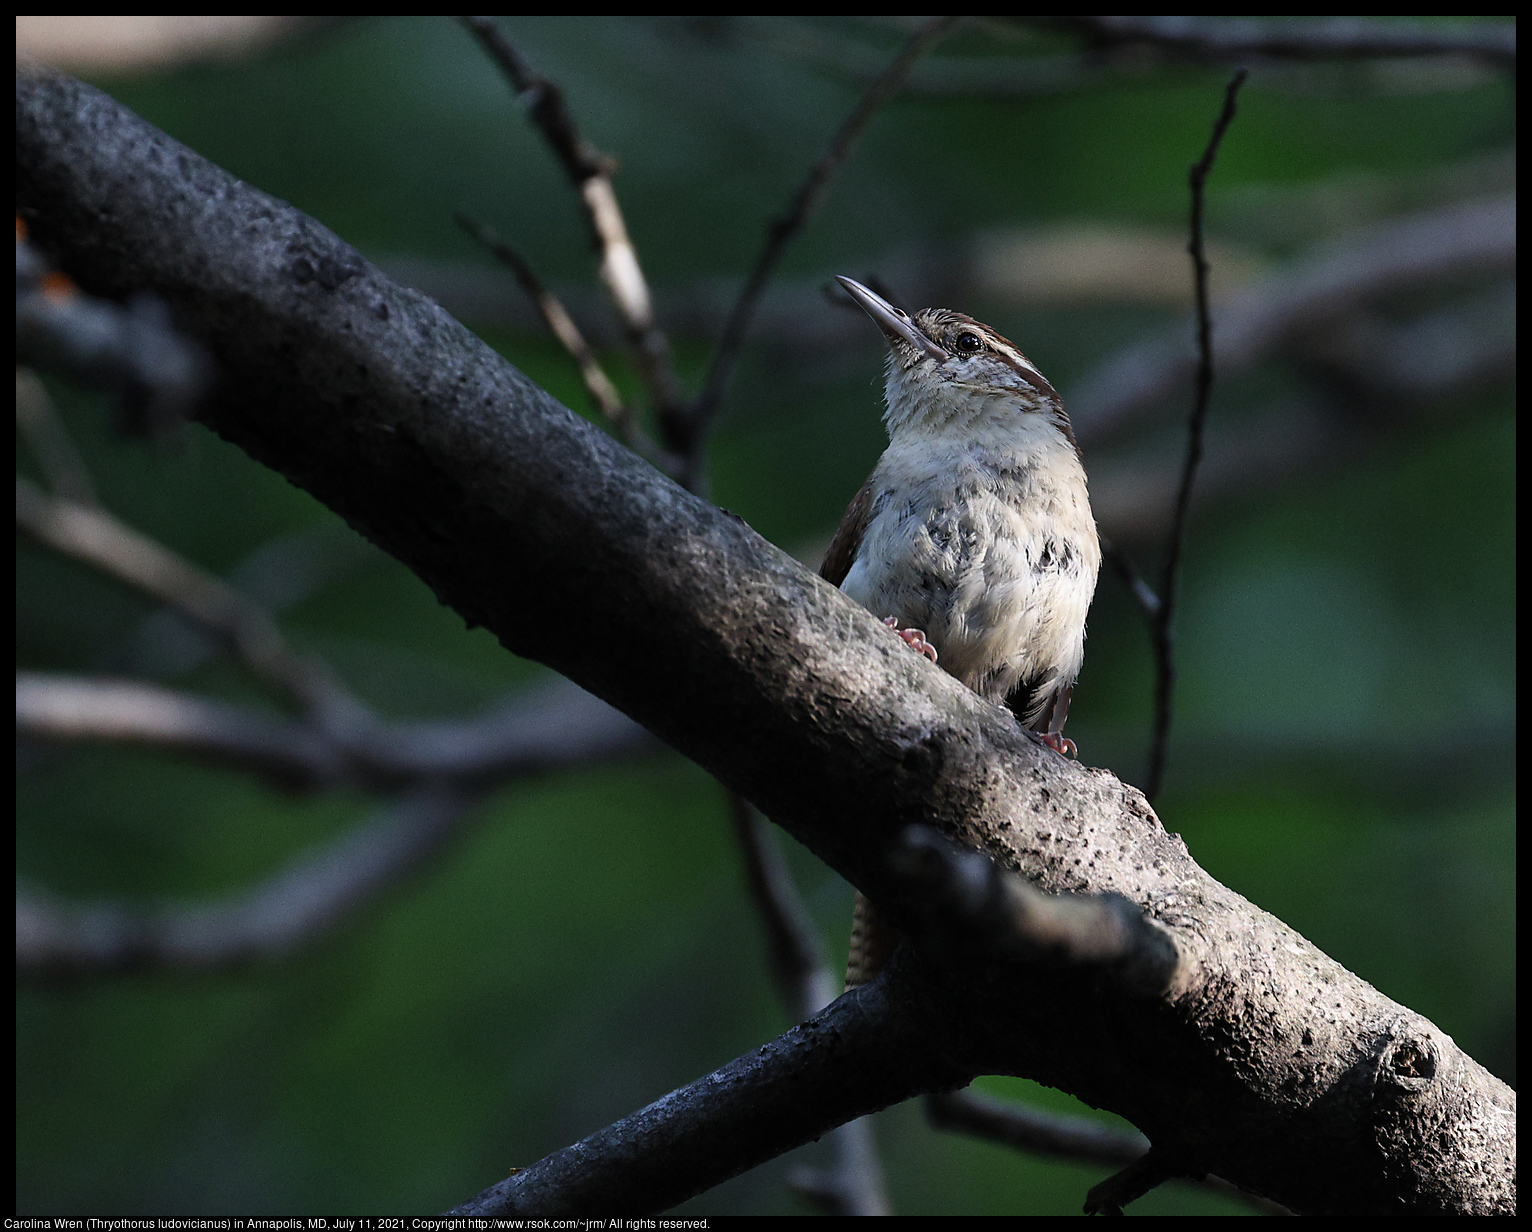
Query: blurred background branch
[590, 171]
[270, 921]
[1325, 38]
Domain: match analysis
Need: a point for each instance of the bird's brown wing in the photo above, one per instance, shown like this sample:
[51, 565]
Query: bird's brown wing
[848, 538]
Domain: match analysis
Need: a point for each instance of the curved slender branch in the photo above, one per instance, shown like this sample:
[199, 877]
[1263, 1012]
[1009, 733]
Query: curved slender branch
[804, 984]
[549, 728]
[706, 404]
[1163, 628]
[129, 713]
[561, 325]
[1143, 594]
[853, 1185]
[1032, 1130]
[90, 534]
[276, 576]
[590, 171]
[1049, 1133]
[303, 902]
[61, 463]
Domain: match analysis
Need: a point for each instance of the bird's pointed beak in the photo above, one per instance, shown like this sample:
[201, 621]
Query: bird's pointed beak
[893, 322]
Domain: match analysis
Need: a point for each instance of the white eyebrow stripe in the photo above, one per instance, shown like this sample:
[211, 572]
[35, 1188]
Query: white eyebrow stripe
[1026, 371]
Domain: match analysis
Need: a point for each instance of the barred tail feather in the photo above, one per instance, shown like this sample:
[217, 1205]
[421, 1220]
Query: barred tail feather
[873, 941]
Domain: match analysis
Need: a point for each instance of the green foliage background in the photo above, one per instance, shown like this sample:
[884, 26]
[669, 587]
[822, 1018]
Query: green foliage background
[1342, 750]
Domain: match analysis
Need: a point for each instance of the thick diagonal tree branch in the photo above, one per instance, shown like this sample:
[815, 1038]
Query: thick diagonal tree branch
[872, 1047]
[1263, 1061]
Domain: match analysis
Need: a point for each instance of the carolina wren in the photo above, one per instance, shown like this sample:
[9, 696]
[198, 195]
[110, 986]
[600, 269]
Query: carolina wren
[973, 536]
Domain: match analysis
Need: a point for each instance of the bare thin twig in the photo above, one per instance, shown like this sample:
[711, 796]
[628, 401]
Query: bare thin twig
[590, 171]
[804, 984]
[782, 229]
[1162, 630]
[130, 713]
[277, 576]
[1143, 595]
[602, 392]
[1033, 1130]
[1174, 43]
[1050, 1133]
[94, 536]
[857, 63]
[853, 1184]
[55, 451]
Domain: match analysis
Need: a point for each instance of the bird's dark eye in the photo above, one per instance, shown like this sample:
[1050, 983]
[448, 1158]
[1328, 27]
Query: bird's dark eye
[967, 343]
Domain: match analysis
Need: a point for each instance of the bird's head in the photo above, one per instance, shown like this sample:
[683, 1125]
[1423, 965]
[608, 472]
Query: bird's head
[949, 373]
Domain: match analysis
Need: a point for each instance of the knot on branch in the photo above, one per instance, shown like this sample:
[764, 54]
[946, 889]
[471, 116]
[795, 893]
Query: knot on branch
[1407, 1061]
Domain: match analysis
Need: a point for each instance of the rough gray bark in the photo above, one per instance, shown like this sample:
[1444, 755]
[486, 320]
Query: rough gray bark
[1264, 1061]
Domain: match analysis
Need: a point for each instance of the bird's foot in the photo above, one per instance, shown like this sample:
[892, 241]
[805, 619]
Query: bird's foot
[1061, 745]
[913, 638]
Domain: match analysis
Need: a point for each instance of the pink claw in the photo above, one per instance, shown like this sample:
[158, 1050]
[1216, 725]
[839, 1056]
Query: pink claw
[1061, 745]
[913, 638]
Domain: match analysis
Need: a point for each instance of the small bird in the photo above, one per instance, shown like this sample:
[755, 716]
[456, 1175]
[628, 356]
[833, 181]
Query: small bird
[973, 537]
